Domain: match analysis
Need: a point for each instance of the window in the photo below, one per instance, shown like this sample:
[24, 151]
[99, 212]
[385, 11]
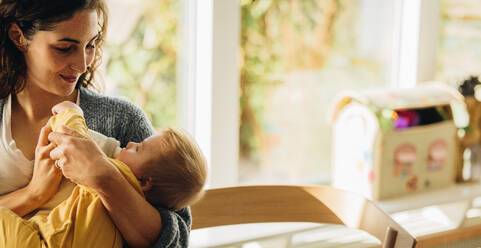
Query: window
[295, 57]
[179, 60]
[141, 55]
[460, 37]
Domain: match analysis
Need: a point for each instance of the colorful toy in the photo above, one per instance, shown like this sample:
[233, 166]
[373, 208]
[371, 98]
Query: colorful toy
[406, 140]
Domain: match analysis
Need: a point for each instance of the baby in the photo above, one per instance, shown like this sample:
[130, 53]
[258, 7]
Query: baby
[169, 165]
[168, 168]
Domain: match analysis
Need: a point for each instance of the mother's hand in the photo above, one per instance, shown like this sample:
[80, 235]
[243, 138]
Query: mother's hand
[79, 158]
[46, 177]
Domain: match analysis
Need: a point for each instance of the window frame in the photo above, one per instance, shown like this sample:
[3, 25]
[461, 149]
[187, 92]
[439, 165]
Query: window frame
[416, 36]
[209, 79]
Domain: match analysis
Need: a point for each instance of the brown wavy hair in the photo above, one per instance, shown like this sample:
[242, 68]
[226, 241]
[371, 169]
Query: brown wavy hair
[41, 15]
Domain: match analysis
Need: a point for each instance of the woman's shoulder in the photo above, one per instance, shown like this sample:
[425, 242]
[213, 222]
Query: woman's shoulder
[114, 117]
[92, 102]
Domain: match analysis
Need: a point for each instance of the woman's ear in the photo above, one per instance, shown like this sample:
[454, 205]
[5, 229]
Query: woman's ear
[145, 183]
[16, 35]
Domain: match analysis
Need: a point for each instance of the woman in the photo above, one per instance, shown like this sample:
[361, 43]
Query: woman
[49, 51]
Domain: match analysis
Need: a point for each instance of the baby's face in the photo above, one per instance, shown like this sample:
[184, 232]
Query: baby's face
[137, 155]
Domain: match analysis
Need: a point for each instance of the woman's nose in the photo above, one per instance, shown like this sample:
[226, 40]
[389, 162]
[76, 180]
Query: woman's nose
[79, 64]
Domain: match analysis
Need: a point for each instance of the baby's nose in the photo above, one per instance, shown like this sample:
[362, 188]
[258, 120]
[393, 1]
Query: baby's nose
[130, 144]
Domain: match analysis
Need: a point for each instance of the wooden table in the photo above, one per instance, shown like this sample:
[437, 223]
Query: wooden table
[463, 210]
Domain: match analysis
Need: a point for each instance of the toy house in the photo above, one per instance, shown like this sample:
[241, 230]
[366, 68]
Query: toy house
[388, 143]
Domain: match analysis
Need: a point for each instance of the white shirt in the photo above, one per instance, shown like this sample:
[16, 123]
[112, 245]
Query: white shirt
[15, 169]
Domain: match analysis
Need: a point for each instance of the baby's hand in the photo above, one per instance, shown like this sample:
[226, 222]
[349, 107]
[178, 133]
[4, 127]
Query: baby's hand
[65, 105]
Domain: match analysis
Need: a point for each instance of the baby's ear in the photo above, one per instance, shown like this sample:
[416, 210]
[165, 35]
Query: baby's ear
[145, 183]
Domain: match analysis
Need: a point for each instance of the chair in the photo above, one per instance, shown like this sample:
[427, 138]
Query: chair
[318, 204]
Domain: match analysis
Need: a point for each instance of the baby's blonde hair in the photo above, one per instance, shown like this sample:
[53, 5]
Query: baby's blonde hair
[178, 171]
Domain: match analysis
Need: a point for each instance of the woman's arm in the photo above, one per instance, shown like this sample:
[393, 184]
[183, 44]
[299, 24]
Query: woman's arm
[43, 185]
[139, 223]
[20, 202]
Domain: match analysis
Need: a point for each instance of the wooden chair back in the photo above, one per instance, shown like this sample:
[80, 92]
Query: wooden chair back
[289, 203]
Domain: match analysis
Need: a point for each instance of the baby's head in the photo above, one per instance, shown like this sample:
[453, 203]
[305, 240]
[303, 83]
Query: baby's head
[170, 167]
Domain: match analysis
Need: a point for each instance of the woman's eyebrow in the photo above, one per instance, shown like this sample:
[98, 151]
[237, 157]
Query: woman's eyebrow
[78, 42]
[70, 40]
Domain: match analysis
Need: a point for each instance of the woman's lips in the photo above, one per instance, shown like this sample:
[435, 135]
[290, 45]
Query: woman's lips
[69, 79]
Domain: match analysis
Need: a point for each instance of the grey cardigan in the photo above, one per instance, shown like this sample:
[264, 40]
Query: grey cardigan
[124, 121]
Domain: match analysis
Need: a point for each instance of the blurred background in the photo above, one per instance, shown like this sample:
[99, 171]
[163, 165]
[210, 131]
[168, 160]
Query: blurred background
[288, 59]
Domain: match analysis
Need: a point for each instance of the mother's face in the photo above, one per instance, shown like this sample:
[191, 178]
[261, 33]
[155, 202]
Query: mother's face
[56, 59]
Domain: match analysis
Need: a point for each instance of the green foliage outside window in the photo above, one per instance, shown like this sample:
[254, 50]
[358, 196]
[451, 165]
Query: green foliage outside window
[277, 36]
[143, 68]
